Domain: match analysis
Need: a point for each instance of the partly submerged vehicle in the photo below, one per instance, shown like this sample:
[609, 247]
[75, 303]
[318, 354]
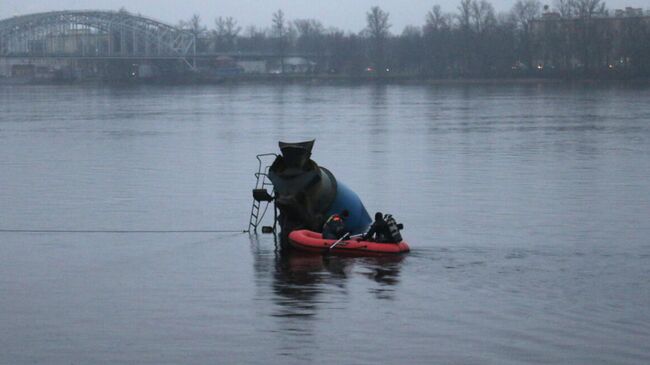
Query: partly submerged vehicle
[304, 194]
[307, 240]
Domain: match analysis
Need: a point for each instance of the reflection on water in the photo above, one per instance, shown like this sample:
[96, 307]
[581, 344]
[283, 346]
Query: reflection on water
[299, 278]
[305, 286]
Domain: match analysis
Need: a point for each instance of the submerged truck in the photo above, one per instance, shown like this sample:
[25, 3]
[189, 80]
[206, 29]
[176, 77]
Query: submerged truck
[304, 194]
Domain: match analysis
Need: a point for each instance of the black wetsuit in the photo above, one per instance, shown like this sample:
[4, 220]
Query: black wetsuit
[380, 228]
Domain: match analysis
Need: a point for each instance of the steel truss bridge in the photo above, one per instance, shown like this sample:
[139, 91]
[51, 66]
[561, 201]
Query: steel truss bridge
[94, 35]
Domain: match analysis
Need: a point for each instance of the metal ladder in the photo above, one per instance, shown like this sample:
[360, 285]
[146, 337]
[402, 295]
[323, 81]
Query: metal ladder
[260, 194]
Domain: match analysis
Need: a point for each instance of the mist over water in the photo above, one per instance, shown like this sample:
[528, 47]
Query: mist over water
[525, 206]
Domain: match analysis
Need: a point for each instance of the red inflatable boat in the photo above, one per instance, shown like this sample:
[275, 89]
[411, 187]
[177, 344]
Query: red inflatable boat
[312, 241]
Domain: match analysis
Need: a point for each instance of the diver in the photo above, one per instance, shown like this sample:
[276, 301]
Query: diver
[384, 230]
[378, 231]
[334, 227]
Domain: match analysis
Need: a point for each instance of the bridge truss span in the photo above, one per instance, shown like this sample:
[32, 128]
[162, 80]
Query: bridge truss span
[93, 34]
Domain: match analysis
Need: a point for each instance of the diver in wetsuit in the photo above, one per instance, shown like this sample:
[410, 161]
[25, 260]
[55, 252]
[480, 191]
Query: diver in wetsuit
[379, 229]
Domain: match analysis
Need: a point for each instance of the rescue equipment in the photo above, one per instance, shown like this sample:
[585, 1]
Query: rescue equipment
[311, 241]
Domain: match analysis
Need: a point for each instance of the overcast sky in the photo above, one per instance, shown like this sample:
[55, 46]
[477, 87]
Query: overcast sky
[347, 15]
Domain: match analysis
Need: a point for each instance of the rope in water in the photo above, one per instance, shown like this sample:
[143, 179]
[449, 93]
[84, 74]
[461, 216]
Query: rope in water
[116, 231]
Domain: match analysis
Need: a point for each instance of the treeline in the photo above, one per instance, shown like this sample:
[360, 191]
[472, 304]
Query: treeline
[572, 38]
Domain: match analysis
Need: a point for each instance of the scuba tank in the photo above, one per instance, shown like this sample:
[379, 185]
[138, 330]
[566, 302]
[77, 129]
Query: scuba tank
[394, 228]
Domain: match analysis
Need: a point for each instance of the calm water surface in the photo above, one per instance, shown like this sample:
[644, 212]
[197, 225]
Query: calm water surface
[526, 208]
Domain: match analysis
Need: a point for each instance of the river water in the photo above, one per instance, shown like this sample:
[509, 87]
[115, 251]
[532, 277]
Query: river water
[526, 207]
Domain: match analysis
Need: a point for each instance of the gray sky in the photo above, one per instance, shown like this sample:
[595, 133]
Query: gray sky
[348, 14]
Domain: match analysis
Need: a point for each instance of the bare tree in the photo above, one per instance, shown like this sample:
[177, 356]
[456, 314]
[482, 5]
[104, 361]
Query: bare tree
[309, 27]
[471, 42]
[437, 41]
[335, 44]
[565, 8]
[345, 52]
[377, 29]
[255, 39]
[280, 31]
[194, 26]
[465, 38]
[279, 24]
[465, 14]
[476, 20]
[377, 23]
[253, 31]
[225, 33]
[592, 39]
[435, 20]
[409, 47]
[310, 34]
[523, 13]
[311, 39]
[636, 54]
[482, 16]
[586, 9]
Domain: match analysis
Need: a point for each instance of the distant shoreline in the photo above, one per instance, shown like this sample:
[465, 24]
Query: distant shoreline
[328, 80]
